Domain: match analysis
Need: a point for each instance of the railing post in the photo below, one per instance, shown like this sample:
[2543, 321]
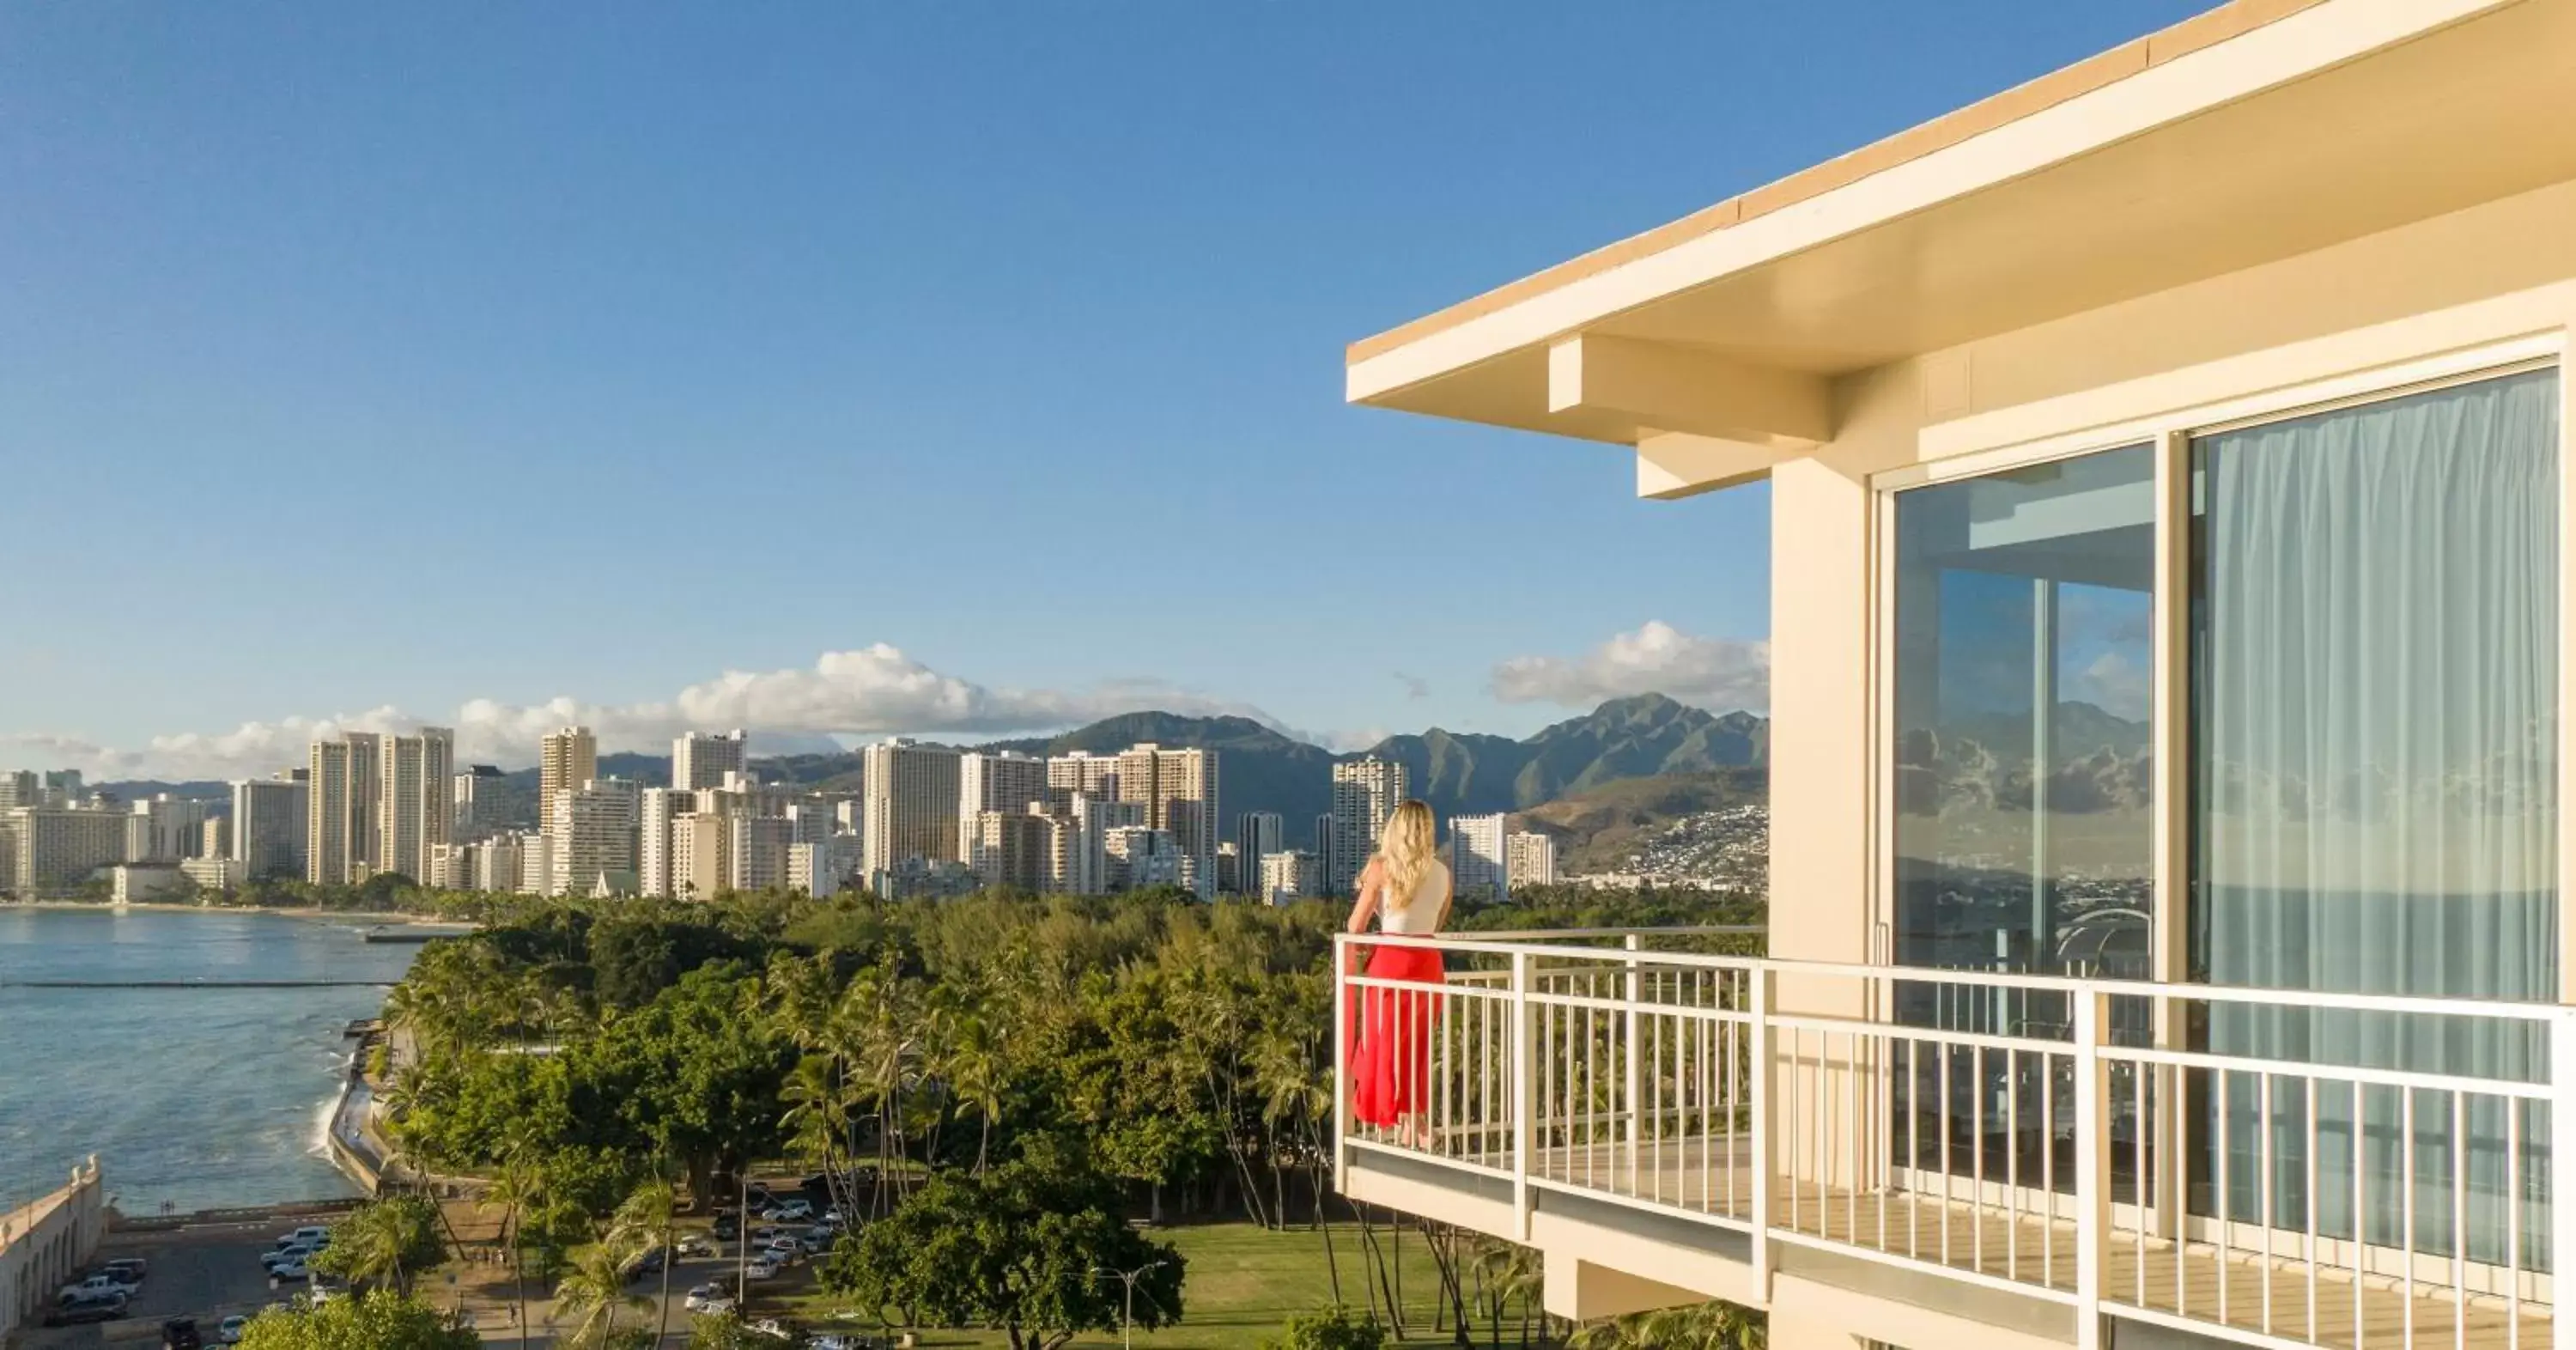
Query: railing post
[1524, 1070]
[2562, 1158]
[1760, 994]
[1342, 950]
[2092, 1163]
[1630, 1081]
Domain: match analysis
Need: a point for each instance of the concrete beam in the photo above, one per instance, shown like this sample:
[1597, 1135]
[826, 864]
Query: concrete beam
[1677, 464]
[1580, 1291]
[1675, 388]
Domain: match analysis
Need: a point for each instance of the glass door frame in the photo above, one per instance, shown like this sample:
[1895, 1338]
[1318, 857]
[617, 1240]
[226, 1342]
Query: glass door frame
[2171, 433]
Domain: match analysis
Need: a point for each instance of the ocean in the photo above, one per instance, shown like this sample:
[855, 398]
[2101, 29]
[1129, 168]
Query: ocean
[191, 1098]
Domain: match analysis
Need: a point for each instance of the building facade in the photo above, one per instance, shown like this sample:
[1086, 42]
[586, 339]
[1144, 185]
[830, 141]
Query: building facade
[702, 759]
[416, 809]
[593, 835]
[1290, 874]
[272, 819]
[911, 796]
[1365, 793]
[1479, 866]
[54, 851]
[1529, 859]
[1177, 790]
[2169, 587]
[566, 758]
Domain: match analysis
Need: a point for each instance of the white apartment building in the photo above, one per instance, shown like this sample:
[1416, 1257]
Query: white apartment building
[343, 823]
[164, 829]
[656, 810]
[536, 863]
[1080, 771]
[132, 883]
[566, 758]
[701, 855]
[1290, 874]
[1012, 849]
[593, 835]
[1529, 859]
[215, 838]
[501, 865]
[1365, 793]
[820, 868]
[911, 795]
[1006, 781]
[1479, 865]
[415, 802]
[215, 872]
[271, 821]
[1093, 818]
[702, 759]
[757, 853]
[21, 787]
[53, 850]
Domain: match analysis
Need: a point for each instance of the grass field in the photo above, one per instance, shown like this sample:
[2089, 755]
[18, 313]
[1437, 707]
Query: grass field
[1243, 1283]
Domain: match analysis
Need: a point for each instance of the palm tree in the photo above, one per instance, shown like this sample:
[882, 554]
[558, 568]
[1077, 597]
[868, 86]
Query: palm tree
[650, 1216]
[371, 1245]
[517, 1189]
[595, 1292]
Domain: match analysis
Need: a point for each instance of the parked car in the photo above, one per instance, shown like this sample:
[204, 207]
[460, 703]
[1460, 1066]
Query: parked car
[311, 1235]
[96, 1286]
[700, 1296]
[789, 1211]
[693, 1245]
[180, 1333]
[764, 1267]
[294, 1256]
[130, 1265]
[770, 1327]
[229, 1330]
[727, 1228]
[95, 1310]
[290, 1270]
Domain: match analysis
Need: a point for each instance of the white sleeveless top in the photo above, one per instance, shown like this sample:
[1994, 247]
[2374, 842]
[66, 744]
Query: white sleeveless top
[1420, 917]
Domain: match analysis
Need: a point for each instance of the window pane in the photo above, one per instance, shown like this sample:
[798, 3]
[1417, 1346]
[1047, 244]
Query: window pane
[2024, 647]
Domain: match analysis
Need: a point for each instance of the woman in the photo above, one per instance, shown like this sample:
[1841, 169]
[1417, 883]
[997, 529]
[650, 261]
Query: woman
[1406, 889]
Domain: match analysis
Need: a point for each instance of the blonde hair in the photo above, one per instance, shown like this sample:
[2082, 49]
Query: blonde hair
[1405, 852]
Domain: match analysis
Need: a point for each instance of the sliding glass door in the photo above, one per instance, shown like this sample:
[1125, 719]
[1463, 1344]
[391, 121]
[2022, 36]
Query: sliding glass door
[2023, 829]
[2373, 732]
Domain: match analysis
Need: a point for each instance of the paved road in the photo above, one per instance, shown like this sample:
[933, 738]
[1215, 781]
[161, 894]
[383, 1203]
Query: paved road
[207, 1273]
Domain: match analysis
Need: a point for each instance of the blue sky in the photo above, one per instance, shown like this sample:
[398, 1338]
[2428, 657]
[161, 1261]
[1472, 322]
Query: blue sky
[370, 362]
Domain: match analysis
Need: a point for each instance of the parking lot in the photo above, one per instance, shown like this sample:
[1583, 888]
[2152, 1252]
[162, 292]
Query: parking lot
[208, 1273]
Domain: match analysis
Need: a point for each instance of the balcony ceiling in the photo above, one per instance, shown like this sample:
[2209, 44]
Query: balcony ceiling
[2141, 170]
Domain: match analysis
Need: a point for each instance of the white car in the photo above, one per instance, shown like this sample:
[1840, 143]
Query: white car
[770, 1326]
[229, 1330]
[702, 1299]
[311, 1235]
[98, 1286]
[290, 1270]
[789, 1211]
[764, 1267]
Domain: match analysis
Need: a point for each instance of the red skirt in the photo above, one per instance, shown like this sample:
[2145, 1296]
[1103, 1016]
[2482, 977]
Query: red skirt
[1391, 1066]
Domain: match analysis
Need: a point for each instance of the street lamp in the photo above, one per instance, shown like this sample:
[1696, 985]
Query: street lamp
[1127, 1318]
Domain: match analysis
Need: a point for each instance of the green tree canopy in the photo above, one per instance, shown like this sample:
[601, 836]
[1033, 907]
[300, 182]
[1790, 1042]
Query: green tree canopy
[1025, 1247]
[380, 1320]
[385, 1241]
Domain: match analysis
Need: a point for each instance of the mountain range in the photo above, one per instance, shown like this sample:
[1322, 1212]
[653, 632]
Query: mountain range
[1458, 773]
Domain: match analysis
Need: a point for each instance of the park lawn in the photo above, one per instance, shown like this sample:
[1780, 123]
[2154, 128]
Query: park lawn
[1244, 1281]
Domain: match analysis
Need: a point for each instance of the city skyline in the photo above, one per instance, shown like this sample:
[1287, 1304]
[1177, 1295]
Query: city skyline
[925, 302]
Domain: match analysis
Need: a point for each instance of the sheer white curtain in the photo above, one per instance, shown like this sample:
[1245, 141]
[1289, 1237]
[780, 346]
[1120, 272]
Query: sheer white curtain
[2375, 724]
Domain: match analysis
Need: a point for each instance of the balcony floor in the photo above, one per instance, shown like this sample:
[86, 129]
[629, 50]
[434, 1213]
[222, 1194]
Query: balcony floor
[1713, 1177]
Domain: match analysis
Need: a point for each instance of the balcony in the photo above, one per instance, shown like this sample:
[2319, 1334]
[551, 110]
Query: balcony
[1966, 1157]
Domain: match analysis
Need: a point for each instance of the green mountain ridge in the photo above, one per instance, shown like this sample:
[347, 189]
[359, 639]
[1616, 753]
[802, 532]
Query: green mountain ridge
[1264, 769]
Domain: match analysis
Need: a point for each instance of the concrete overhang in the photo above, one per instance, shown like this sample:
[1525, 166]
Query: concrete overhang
[2255, 132]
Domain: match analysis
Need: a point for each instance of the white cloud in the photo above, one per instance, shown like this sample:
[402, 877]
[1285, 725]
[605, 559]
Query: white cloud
[1723, 674]
[871, 691]
[2113, 683]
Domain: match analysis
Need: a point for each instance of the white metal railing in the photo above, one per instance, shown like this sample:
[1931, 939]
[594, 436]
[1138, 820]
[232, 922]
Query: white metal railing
[2277, 1167]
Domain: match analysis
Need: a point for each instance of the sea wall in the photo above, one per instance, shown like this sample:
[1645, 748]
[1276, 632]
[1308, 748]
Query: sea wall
[48, 1243]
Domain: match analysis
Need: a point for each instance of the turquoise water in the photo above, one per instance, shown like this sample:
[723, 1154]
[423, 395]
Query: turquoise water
[193, 1098]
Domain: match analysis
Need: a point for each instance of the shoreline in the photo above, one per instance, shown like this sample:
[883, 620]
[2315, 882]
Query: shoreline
[389, 916]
